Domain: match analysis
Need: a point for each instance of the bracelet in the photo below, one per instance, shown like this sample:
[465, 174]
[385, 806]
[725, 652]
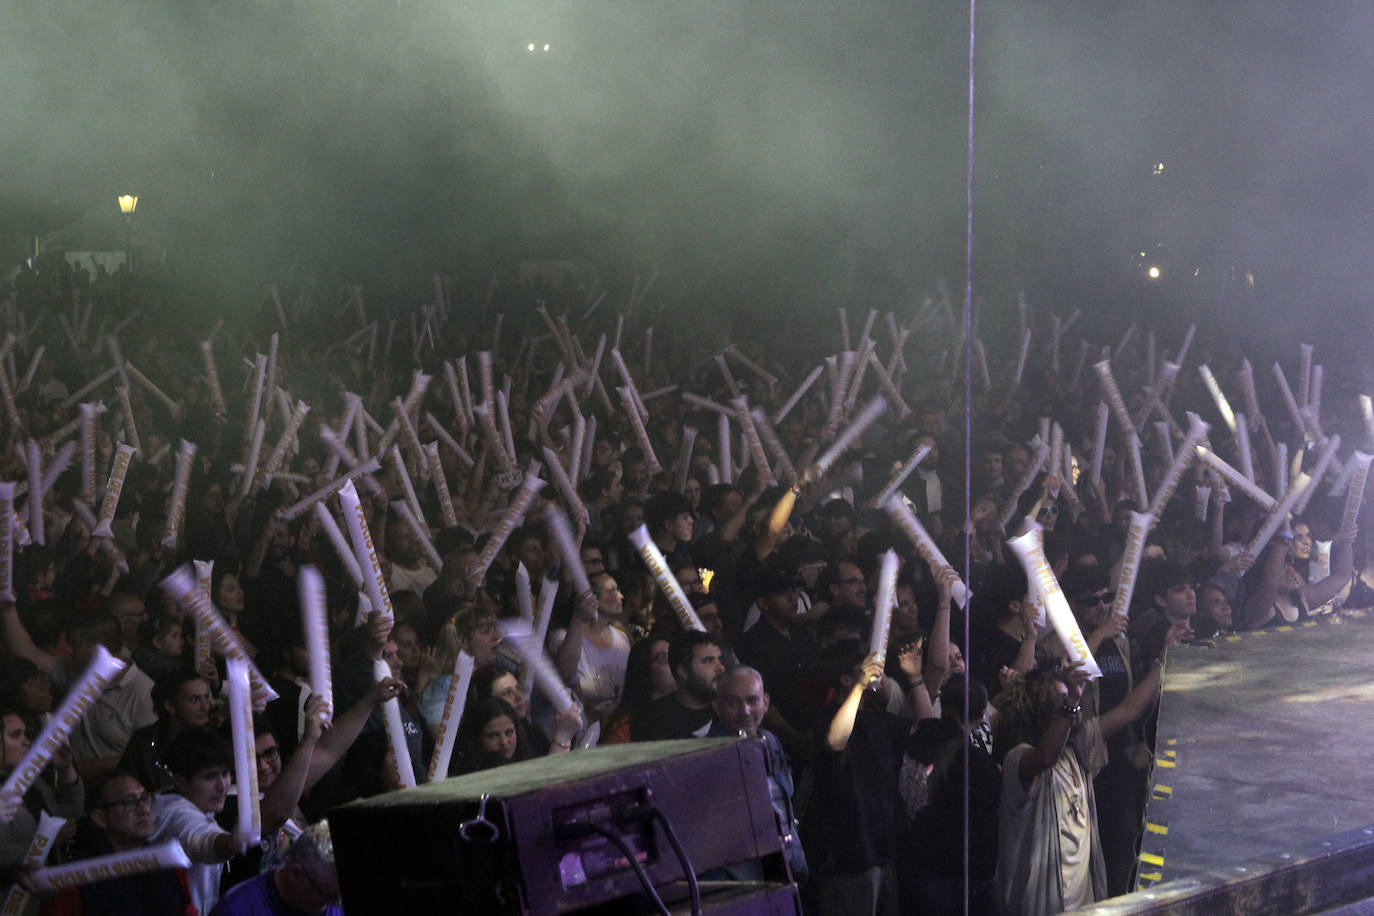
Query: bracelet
[1070, 712]
[918, 682]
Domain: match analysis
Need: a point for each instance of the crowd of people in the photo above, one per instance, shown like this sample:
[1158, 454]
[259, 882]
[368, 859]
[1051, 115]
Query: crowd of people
[981, 704]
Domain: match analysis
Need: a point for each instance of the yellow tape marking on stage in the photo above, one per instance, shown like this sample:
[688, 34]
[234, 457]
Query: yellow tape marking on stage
[1150, 858]
[1284, 629]
[1152, 876]
[1310, 623]
[1161, 829]
[1164, 790]
[1164, 762]
[1171, 742]
[1233, 638]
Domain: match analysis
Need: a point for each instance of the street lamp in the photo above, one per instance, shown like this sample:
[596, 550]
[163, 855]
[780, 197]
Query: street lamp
[128, 203]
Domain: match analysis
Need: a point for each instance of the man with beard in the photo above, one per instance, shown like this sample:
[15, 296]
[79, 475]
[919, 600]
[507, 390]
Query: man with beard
[694, 658]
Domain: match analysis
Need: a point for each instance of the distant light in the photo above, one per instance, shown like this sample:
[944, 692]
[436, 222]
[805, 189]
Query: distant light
[546, 47]
[531, 46]
[1159, 168]
[1250, 279]
[128, 203]
[1153, 272]
[1142, 254]
[1196, 271]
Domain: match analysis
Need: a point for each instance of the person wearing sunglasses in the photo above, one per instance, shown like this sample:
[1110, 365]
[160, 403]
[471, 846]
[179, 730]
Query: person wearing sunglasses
[307, 882]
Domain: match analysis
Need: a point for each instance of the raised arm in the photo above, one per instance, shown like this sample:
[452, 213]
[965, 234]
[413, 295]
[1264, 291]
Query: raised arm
[1041, 757]
[909, 658]
[937, 659]
[18, 639]
[334, 743]
[842, 725]
[1134, 705]
[1216, 525]
[1259, 607]
[1025, 657]
[570, 650]
[1315, 594]
[281, 800]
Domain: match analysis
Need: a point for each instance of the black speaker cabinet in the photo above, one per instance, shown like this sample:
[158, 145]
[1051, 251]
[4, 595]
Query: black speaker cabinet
[540, 837]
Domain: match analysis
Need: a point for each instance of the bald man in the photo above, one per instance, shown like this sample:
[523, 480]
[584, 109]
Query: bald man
[741, 703]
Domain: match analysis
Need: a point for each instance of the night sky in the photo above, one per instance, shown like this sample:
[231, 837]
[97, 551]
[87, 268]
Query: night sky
[805, 153]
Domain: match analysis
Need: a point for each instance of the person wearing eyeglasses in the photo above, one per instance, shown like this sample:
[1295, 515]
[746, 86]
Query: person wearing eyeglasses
[307, 882]
[121, 811]
[844, 585]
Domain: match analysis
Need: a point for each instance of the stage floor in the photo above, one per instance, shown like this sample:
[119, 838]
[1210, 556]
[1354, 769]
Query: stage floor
[1265, 748]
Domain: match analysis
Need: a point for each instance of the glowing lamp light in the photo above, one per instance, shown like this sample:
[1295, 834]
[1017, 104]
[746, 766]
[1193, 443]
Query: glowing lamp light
[546, 47]
[1158, 169]
[128, 203]
[1153, 272]
[530, 46]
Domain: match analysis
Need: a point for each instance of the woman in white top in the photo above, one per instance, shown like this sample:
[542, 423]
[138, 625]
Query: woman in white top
[593, 651]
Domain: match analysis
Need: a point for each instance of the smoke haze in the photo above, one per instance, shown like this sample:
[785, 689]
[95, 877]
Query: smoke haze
[799, 153]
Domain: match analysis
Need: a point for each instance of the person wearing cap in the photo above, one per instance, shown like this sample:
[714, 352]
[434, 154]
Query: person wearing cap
[781, 645]
[669, 517]
[708, 612]
[834, 526]
[307, 882]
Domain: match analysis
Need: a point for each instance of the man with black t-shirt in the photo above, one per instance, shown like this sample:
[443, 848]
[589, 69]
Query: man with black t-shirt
[695, 660]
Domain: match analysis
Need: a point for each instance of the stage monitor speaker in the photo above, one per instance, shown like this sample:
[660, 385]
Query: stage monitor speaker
[543, 836]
